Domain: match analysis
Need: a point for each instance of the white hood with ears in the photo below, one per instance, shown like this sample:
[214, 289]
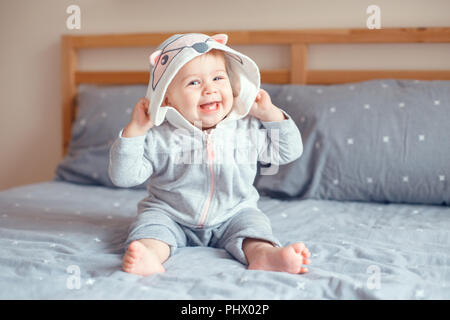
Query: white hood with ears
[179, 49]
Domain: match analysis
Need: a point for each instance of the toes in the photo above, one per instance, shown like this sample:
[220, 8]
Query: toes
[306, 253]
[299, 247]
[127, 267]
[134, 246]
[302, 249]
[303, 270]
[129, 256]
[133, 255]
[130, 260]
[134, 250]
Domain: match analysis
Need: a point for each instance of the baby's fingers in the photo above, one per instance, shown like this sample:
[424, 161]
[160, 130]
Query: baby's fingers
[261, 94]
[144, 102]
[142, 105]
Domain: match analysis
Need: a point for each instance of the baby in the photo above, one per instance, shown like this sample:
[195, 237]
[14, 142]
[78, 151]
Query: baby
[201, 95]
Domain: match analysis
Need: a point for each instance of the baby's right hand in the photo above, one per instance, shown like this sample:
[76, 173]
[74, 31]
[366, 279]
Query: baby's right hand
[140, 120]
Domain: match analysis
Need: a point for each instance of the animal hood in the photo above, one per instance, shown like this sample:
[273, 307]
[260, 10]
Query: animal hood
[179, 49]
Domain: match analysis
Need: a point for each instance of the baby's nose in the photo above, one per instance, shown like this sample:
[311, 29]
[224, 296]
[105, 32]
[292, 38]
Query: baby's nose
[209, 87]
[209, 91]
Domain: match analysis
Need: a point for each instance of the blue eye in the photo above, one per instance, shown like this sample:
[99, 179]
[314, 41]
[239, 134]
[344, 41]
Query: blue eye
[193, 82]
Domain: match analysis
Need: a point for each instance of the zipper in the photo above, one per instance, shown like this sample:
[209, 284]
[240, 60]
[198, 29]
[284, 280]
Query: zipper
[210, 153]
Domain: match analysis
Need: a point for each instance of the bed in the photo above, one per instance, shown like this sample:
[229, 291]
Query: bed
[369, 197]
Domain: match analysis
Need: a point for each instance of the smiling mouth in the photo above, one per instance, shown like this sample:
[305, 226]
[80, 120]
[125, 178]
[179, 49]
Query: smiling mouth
[209, 107]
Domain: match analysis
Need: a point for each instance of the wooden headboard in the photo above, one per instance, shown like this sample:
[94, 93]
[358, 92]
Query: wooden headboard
[297, 40]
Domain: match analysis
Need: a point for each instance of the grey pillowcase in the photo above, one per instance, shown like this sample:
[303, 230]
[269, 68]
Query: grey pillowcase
[378, 140]
[343, 158]
[102, 112]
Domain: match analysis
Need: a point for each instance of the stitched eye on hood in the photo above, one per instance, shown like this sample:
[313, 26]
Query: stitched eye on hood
[164, 59]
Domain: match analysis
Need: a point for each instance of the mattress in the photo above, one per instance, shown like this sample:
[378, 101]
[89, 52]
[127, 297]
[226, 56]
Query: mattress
[60, 240]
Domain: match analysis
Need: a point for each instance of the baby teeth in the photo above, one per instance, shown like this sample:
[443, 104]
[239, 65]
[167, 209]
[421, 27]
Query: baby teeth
[211, 107]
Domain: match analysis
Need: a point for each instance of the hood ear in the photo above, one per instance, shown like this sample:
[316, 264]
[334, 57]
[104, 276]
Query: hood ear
[221, 38]
[154, 57]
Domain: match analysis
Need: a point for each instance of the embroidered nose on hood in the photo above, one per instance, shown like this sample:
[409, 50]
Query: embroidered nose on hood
[178, 50]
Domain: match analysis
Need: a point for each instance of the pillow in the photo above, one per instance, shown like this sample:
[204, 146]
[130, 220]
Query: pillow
[378, 140]
[102, 112]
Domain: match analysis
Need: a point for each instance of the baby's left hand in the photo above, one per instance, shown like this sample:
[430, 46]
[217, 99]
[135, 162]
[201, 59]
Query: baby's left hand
[264, 110]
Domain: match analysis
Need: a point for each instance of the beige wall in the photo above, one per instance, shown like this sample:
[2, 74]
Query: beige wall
[30, 116]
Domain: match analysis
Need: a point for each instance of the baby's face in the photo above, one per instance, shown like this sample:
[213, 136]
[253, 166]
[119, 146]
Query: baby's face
[201, 91]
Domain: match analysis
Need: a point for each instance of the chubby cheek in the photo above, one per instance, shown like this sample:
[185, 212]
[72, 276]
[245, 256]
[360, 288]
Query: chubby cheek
[228, 105]
[187, 103]
[228, 99]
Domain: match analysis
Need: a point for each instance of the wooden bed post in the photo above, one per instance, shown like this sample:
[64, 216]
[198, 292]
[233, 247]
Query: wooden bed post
[299, 63]
[68, 88]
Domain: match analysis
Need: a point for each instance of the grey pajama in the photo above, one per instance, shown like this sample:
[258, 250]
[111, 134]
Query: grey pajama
[247, 223]
[200, 186]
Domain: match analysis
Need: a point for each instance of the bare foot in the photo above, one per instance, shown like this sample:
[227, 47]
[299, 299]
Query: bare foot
[288, 259]
[141, 260]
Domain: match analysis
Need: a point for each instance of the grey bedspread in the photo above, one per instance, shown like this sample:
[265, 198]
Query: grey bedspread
[65, 241]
